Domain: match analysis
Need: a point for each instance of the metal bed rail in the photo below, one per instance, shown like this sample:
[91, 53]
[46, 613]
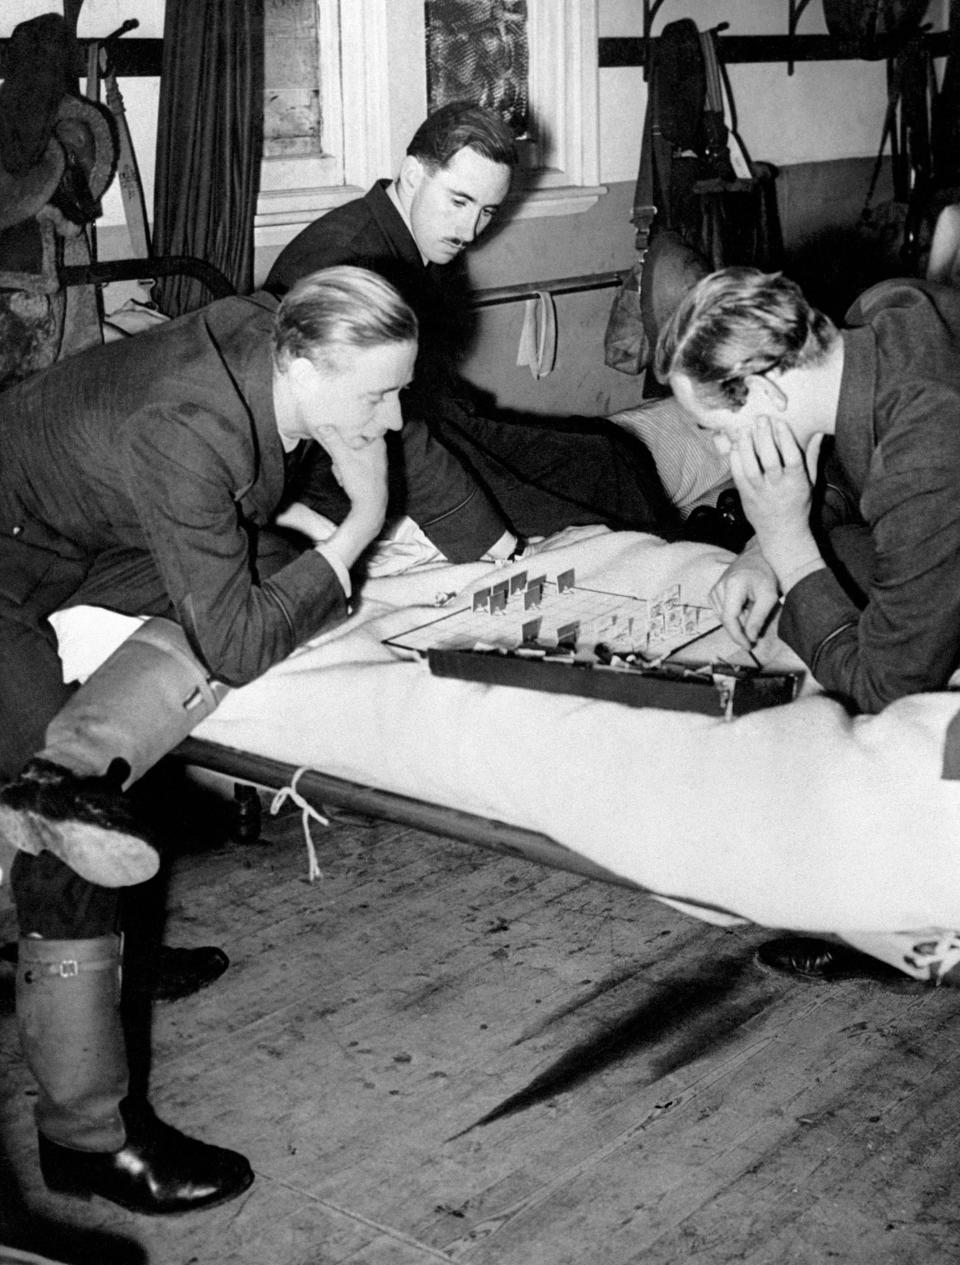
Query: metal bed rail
[322, 789]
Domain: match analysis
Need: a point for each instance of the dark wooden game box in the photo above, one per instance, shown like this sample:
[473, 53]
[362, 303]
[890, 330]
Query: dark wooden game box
[715, 689]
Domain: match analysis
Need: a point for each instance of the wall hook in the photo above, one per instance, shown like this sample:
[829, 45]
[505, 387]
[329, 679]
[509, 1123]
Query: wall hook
[795, 13]
[650, 10]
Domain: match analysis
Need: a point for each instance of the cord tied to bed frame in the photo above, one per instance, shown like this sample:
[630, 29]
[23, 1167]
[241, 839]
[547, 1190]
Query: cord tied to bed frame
[306, 812]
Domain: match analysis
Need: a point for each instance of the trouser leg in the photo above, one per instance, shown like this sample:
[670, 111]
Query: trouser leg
[52, 901]
[562, 474]
[31, 684]
[68, 981]
[144, 700]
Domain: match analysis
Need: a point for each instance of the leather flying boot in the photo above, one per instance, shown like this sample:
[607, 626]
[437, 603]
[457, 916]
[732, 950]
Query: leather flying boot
[158, 1170]
[68, 1015]
[93, 1138]
[135, 708]
[84, 821]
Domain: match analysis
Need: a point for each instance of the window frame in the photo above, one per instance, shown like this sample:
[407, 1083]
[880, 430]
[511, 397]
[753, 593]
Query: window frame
[373, 96]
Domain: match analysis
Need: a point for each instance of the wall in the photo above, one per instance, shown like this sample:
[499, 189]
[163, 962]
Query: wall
[823, 111]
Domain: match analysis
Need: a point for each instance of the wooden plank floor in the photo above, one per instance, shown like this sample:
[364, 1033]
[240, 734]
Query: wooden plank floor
[435, 1054]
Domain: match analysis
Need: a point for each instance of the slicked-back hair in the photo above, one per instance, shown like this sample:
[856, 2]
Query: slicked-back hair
[738, 322]
[338, 309]
[463, 125]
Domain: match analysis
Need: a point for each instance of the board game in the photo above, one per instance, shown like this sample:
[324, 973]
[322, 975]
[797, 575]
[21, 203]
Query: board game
[530, 611]
[529, 630]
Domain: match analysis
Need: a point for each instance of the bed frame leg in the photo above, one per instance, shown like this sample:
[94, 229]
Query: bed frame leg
[247, 813]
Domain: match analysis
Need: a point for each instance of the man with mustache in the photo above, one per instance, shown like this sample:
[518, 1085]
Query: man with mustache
[543, 474]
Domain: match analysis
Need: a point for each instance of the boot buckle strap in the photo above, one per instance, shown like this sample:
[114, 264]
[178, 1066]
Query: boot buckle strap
[67, 968]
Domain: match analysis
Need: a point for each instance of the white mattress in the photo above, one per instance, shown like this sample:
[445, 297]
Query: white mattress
[797, 816]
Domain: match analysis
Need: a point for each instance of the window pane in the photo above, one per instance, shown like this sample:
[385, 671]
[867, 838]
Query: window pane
[477, 50]
[291, 99]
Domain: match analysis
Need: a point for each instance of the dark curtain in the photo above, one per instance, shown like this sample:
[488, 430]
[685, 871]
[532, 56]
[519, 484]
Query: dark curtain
[209, 143]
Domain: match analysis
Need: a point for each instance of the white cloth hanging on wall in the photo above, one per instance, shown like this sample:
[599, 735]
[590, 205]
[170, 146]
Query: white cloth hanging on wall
[538, 338]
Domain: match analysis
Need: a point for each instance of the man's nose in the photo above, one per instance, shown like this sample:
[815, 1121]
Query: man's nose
[392, 415]
[468, 225]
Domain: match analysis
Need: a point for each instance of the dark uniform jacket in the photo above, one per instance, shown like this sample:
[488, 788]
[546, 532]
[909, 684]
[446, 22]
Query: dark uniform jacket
[145, 470]
[896, 631]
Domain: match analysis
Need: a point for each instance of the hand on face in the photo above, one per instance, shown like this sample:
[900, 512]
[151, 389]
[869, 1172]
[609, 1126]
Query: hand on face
[774, 478]
[360, 467]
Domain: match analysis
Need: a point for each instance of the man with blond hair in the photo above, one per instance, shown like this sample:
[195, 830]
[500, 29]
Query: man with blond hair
[144, 476]
[844, 445]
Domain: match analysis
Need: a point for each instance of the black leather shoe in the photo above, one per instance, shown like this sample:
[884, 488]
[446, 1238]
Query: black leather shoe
[159, 1171]
[823, 962]
[170, 974]
[87, 822]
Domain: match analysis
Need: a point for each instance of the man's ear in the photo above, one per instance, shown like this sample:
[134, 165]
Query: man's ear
[409, 177]
[299, 369]
[763, 388]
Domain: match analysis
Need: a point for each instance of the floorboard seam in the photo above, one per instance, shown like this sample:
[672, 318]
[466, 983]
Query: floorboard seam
[371, 1224]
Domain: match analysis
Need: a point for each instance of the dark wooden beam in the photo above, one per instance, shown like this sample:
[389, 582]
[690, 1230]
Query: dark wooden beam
[629, 50]
[138, 58]
[132, 58]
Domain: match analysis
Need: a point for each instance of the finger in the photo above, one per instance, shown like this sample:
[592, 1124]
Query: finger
[791, 454]
[813, 456]
[743, 462]
[734, 628]
[759, 617]
[755, 622]
[769, 455]
[729, 605]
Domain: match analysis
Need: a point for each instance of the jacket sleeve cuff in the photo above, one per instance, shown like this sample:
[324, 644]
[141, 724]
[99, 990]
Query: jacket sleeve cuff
[468, 530]
[814, 611]
[339, 567]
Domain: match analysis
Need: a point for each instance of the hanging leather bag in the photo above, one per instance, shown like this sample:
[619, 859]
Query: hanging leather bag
[692, 213]
[672, 133]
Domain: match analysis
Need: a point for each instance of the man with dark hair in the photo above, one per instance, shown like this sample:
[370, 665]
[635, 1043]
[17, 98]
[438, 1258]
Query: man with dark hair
[142, 476]
[542, 474]
[865, 553]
